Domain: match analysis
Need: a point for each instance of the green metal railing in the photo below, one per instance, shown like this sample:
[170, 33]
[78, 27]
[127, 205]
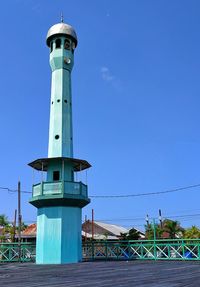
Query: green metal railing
[9, 252]
[60, 187]
[176, 249]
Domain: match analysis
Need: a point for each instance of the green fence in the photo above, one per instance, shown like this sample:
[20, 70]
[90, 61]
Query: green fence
[13, 252]
[184, 249]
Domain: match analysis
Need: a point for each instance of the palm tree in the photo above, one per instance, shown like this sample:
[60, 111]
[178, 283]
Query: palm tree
[4, 224]
[3, 220]
[133, 234]
[173, 228]
[192, 233]
[149, 231]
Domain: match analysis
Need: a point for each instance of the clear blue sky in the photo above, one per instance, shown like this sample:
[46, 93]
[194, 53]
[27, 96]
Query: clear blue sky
[136, 101]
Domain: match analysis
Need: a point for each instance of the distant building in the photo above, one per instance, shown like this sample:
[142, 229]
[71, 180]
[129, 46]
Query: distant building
[102, 231]
[105, 231]
[29, 234]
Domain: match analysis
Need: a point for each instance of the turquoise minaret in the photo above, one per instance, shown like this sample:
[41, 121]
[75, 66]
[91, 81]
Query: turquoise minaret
[58, 198]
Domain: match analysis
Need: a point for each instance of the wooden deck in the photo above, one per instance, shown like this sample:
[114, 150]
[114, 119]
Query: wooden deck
[100, 274]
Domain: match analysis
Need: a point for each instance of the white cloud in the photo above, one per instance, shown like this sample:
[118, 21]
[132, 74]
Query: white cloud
[108, 77]
[106, 74]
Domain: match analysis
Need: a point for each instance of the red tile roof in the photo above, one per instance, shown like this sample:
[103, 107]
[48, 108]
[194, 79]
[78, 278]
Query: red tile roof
[30, 230]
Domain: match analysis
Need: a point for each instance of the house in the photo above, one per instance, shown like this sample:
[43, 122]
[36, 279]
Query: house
[105, 231]
[29, 234]
[102, 231]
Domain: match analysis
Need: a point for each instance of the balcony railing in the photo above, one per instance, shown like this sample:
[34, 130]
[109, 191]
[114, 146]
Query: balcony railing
[60, 187]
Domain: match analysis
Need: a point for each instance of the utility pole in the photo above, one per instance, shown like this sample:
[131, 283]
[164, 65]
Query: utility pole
[147, 226]
[154, 239]
[160, 218]
[92, 224]
[147, 220]
[14, 225]
[19, 219]
[154, 230]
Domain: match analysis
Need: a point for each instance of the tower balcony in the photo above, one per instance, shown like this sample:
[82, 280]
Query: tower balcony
[63, 193]
[60, 187]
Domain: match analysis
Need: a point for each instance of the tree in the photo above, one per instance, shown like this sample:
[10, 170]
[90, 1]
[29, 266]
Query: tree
[149, 231]
[8, 230]
[133, 234]
[3, 220]
[173, 228]
[192, 233]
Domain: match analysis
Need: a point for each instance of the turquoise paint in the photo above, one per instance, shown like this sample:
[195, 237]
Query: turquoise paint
[61, 104]
[60, 201]
[59, 235]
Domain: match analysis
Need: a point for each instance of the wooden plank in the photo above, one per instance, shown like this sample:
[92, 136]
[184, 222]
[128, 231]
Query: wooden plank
[102, 274]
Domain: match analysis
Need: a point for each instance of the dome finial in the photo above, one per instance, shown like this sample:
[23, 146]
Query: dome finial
[62, 18]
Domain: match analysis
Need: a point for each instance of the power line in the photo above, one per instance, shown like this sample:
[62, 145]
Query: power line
[185, 216]
[14, 190]
[122, 195]
[148, 193]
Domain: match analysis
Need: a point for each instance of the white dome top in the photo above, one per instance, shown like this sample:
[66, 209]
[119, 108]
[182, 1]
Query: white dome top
[61, 29]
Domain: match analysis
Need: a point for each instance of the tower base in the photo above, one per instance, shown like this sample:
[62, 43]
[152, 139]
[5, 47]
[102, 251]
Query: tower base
[59, 239]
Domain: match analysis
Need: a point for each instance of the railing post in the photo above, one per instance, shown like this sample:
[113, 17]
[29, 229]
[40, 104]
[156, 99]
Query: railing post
[154, 240]
[63, 186]
[92, 249]
[129, 250]
[198, 248]
[183, 248]
[80, 188]
[41, 191]
[118, 251]
[9, 253]
[169, 250]
[141, 250]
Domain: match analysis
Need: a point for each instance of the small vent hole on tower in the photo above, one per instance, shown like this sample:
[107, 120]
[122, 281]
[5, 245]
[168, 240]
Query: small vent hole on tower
[52, 103]
[58, 43]
[67, 44]
[57, 137]
[65, 101]
[58, 101]
[51, 46]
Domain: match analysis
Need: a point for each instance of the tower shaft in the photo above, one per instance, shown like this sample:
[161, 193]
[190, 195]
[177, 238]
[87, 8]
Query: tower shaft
[60, 128]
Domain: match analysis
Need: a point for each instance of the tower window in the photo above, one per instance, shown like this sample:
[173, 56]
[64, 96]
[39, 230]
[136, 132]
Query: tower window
[58, 101]
[65, 101]
[56, 175]
[67, 44]
[73, 46]
[58, 43]
[57, 137]
[51, 46]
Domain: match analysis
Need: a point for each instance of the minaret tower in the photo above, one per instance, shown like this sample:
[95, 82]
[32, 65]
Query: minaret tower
[59, 199]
